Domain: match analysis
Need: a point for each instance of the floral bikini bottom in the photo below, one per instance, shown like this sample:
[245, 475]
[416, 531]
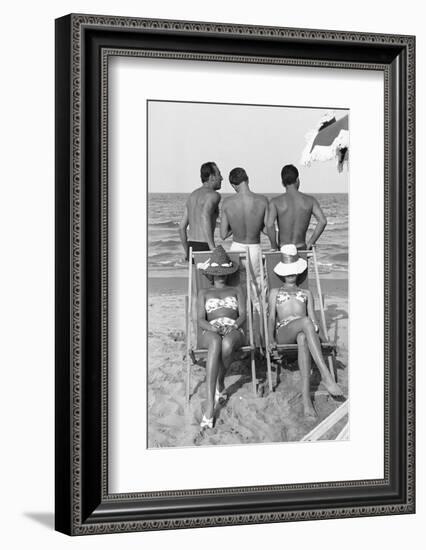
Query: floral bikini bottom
[221, 323]
[286, 321]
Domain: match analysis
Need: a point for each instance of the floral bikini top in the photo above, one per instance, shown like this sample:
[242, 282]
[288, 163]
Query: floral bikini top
[229, 302]
[283, 296]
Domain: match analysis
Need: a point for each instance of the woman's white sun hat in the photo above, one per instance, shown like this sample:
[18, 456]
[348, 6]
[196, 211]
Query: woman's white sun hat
[291, 263]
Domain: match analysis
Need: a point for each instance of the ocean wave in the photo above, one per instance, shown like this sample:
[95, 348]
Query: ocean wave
[323, 268]
[331, 226]
[165, 243]
[167, 264]
[341, 257]
[160, 256]
[168, 223]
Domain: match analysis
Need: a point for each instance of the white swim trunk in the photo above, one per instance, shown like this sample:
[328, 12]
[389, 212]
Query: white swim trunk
[254, 252]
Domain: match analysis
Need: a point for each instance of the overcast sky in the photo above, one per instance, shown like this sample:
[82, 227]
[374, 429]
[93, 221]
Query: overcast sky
[182, 136]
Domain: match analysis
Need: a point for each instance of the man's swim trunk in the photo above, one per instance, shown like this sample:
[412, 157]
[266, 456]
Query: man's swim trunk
[298, 246]
[198, 246]
[254, 253]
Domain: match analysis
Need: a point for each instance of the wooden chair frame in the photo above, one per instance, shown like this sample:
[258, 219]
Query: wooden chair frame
[327, 347]
[193, 351]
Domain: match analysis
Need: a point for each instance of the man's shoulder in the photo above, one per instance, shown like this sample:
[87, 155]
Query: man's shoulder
[280, 201]
[214, 195]
[260, 199]
[202, 190]
[194, 194]
[279, 198]
[227, 201]
[308, 198]
[209, 195]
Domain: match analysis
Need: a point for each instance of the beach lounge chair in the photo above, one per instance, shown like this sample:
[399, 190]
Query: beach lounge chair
[193, 348]
[329, 423]
[273, 281]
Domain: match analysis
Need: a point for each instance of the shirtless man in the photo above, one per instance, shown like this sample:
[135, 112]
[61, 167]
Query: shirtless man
[294, 210]
[245, 215]
[201, 211]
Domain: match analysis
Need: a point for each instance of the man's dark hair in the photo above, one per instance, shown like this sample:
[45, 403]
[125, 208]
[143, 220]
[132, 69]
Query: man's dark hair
[207, 170]
[289, 174]
[237, 176]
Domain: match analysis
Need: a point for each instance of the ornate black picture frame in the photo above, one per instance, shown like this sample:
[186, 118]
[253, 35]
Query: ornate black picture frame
[83, 45]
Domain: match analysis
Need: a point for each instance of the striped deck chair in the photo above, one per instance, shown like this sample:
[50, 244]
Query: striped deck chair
[273, 281]
[193, 348]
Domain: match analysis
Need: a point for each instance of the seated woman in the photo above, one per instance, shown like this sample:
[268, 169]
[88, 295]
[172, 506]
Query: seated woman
[292, 320]
[221, 313]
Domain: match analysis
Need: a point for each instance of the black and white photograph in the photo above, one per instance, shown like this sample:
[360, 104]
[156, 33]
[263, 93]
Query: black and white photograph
[209, 287]
[247, 270]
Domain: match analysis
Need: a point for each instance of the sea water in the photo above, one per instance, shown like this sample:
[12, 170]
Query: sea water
[165, 252]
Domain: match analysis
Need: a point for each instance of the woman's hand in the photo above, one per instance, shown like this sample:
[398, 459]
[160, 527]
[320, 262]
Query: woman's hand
[320, 332]
[322, 336]
[272, 347]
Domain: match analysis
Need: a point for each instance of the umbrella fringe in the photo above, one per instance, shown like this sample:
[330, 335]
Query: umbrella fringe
[321, 153]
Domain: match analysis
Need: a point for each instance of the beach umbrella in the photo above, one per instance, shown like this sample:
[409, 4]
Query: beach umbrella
[329, 140]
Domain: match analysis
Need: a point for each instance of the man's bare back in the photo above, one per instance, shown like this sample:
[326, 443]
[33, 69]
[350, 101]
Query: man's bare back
[244, 215]
[202, 207]
[293, 211]
[196, 228]
[293, 214]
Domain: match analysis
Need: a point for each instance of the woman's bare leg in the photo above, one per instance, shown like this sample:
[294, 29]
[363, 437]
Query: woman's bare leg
[213, 342]
[288, 335]
[304, 360]
[230, 343]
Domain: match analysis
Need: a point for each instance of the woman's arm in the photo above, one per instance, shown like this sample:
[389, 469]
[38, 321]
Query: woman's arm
[201, 313]
[272, 315]
[311, 313]
[242, 311]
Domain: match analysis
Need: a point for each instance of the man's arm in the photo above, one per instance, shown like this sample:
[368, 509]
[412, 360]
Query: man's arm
[225, 229]
[182, 231]
[271, 216]
[210, 205]
[265, 216]
[321, 223]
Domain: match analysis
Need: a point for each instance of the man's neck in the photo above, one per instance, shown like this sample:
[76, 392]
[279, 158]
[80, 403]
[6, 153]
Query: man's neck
[291, 189]
[243, 188]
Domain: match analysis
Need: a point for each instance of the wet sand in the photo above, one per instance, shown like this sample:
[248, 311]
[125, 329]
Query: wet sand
[244, 418]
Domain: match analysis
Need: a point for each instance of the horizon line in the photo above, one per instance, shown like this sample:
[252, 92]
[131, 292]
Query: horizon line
[231, 193]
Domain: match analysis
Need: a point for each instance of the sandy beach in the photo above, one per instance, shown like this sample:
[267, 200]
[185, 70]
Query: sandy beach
[244, 418]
